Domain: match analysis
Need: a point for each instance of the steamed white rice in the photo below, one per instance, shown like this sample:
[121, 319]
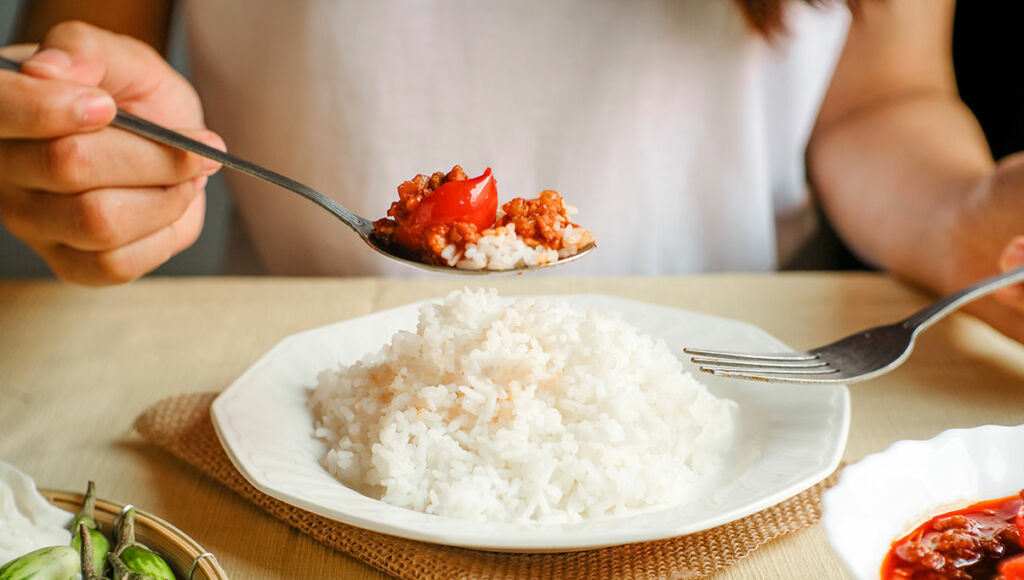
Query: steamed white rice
[500, 248]
[529, 411]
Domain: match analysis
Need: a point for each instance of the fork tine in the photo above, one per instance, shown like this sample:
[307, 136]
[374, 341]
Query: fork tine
[743, 363]
[771, 376]
[823, 369]
[751, 356]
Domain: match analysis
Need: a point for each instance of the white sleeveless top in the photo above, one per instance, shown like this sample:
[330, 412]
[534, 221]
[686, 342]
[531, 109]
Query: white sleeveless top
[677, 132]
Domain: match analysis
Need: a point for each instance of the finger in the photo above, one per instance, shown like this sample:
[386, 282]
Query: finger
[98, 220]
[1012, 257]
[129, 262]
[129, 70]
[33, 108]
[18, 52]
[101, 159]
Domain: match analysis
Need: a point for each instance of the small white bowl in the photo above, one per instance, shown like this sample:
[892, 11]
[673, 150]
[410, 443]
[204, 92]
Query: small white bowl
[886, 495]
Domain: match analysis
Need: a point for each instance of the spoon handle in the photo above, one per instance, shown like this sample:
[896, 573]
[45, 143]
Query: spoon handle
[135, 124]
[150, 130]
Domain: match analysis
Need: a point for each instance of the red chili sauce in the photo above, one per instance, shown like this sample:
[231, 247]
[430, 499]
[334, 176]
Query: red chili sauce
[443, 209]
[984, 541]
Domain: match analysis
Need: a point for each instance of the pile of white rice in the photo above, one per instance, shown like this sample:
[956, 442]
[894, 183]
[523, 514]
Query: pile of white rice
[529, 411]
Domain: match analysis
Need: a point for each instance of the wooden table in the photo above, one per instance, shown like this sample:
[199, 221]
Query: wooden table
[77, 365]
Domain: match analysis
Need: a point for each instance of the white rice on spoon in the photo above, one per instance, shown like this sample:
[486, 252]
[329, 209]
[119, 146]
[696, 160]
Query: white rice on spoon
[525, 412]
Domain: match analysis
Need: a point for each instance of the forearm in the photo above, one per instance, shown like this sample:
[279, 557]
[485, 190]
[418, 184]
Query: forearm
[147, 20]
[895, 177]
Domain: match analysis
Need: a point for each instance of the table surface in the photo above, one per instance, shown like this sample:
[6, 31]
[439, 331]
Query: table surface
[78, 365]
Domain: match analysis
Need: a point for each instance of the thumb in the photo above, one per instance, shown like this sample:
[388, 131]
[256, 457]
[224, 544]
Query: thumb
[1012, 257]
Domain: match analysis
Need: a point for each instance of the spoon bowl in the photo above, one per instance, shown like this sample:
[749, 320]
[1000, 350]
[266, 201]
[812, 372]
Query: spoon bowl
[360, 225]
[398, 255]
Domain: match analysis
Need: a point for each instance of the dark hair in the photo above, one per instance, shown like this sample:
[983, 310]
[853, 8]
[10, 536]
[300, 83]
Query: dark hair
[767, 16]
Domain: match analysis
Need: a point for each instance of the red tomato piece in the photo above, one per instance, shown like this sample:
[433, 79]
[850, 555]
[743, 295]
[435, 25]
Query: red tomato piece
[473, 201]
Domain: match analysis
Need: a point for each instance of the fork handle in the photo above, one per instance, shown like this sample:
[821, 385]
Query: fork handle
[150, 130]
[932, 313]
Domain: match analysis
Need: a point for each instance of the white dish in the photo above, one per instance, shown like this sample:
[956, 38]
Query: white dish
[790, 436]
[883, 496]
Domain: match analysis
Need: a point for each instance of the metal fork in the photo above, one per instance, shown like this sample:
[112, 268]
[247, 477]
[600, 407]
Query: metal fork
[857, 357]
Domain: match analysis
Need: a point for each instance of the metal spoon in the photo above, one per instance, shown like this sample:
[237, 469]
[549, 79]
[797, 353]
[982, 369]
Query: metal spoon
[360, 225]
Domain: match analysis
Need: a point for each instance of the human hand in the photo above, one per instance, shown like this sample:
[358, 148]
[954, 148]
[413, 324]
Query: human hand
[989, 238]
[98, 204]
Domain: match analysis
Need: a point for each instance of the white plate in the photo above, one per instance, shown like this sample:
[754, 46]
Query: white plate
[790, 436]
[883, 496]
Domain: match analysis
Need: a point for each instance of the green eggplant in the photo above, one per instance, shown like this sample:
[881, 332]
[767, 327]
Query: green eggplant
[51, 563]
[122, 572]
[131, 559]
[143, 561]
[100, 547]
[86, 518]
[87, 555]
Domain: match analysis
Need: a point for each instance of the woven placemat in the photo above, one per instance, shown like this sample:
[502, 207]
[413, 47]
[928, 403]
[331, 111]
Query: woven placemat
[182, 425]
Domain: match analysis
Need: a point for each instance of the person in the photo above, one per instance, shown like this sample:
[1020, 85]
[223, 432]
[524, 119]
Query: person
[693, 136]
